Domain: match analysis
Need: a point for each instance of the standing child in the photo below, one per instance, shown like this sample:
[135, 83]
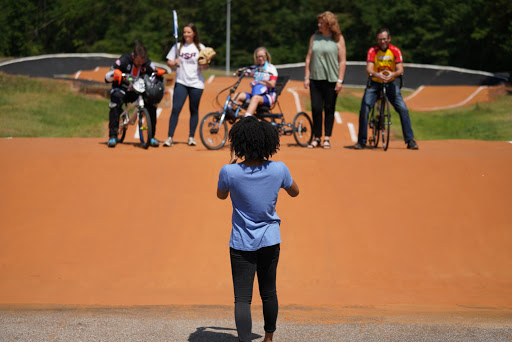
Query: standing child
[255, 239]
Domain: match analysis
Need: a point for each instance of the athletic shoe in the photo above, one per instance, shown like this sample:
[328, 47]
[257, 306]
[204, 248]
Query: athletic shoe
[154, 142]
[359, 146]
[168, 142]
[411, 145]
[112, 142]
[191, 141]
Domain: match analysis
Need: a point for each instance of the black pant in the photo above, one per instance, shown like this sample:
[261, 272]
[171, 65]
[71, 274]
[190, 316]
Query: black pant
[244, 265]
[117, 98]
[323, 98]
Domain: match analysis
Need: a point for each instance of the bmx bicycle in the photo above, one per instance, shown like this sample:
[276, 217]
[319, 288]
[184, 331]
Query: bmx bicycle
[137, 111]
[213, 129]
[379, 119]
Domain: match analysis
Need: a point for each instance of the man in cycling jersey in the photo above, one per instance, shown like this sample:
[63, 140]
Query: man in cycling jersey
[135, 64]
[384, 63]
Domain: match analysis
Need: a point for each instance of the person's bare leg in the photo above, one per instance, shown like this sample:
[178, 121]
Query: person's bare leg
[255, 101]
[239, 98]
[268, 337]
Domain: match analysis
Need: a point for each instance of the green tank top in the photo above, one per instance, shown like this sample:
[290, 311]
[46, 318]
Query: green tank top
[324, 61]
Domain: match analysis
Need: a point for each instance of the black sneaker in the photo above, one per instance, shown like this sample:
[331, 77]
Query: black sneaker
[411, 145]
[359, 146]
[230, 113]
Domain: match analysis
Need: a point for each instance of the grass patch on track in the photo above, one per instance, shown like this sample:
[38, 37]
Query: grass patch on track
[491, 121]
[32, 107]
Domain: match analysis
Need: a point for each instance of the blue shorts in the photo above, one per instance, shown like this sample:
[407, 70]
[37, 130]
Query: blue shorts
[268, 99]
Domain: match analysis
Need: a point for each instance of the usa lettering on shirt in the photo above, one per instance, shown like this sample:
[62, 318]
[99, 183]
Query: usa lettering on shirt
[188, 55]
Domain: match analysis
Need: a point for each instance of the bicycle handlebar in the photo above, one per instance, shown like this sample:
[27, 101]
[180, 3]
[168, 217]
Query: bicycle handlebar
[129, 77]
[241, 72]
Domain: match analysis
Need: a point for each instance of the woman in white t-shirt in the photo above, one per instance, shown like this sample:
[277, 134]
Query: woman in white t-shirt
[189, 80]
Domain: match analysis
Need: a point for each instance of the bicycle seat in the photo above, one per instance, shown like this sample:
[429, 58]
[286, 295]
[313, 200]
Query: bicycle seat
[264, 110]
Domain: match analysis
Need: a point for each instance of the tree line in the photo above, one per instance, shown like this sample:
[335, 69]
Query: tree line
[474, 34]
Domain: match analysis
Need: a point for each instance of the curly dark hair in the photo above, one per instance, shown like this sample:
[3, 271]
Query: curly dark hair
[254, 139]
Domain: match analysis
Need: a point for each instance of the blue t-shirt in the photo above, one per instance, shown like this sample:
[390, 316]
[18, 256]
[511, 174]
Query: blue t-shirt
[253, 191]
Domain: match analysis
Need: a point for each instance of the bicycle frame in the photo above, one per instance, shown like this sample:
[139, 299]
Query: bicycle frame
[229, 100]
[131, 119]
[379, 120]
[213, 126]
[139, 114]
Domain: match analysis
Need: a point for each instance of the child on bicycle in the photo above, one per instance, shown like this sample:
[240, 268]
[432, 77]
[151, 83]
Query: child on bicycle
[263, 88]
[255, 239]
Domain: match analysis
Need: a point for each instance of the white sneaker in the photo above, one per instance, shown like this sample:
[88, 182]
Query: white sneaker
[168, 142]
[191, 141]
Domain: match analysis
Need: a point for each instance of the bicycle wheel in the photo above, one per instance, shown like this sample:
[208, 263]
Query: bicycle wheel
[302, 129]
[213, 134]
[385, 119]
[145, 132]
[373, 126]
[123, 126]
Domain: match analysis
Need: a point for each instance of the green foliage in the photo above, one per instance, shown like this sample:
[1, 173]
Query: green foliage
[473, 34]
[348, 101]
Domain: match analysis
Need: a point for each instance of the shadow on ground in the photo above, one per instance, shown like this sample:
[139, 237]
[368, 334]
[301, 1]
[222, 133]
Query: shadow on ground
[216, 334]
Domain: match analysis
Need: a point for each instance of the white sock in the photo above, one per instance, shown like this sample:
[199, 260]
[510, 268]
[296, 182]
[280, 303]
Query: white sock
[247, 114]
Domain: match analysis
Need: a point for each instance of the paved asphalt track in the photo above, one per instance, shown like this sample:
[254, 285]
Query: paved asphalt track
[60, 65]
[216, 324]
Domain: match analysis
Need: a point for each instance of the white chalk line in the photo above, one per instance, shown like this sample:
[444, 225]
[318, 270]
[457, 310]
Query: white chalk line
[297, 99]
[210, 79]
[416, 92]
[78, 74]
[469, 98]
[352, 131]
[337, 116]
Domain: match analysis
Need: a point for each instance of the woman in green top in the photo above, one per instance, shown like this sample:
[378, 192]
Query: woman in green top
[325, 69]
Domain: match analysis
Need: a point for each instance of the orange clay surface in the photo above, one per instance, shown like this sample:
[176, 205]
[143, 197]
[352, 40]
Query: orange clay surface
[82, 223]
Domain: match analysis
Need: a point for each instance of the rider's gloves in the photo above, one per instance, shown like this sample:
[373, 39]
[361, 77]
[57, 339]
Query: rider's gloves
[118, 76]
[160, 71]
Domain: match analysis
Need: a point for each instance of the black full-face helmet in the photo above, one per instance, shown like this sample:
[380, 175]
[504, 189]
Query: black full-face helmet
[155, 89]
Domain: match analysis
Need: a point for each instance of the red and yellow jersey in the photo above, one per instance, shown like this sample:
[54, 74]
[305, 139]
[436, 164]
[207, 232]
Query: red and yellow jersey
[384, 60]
